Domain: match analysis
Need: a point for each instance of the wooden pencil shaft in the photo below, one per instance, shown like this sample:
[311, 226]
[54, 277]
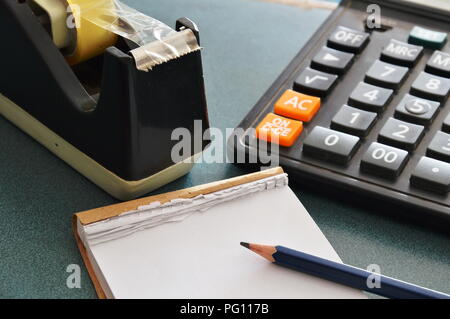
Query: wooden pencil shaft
[351, 276]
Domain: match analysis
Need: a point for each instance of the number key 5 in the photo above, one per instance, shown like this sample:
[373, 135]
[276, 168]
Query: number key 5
[416, 110]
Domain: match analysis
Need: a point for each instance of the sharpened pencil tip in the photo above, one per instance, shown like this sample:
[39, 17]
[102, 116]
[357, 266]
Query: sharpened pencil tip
[262, 250]
[246, 245]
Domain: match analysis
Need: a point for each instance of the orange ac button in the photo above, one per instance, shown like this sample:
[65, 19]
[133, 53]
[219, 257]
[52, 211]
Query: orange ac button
[297, 106]
[280, 130]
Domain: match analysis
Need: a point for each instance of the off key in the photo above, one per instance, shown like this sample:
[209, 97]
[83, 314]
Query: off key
[347, 39]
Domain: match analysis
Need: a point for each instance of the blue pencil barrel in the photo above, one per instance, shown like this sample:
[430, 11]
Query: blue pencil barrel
[351, 276]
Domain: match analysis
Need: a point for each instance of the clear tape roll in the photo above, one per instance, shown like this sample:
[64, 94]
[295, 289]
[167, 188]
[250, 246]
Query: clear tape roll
[99, 22]
[91, 40]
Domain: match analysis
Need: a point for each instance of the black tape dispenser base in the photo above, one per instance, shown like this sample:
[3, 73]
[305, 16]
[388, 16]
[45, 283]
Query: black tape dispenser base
[106, 118]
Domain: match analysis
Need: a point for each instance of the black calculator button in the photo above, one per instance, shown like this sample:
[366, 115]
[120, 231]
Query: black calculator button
[416, 110]
[332, 61]
[401, 134]
[384, 161]
[431, 86]
[439, 64]
[431, 174]
[401, 53]
[315, 82]
[330, 145]
[446, 124]
[348, 39]
[386, 75]
[370, 97]
[439, 147]
[353, 121]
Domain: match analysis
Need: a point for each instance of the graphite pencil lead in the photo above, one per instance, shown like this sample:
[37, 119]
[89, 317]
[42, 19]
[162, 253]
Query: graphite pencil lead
[246, 245]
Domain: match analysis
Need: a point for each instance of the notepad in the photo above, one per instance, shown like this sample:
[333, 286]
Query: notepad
[186, 244]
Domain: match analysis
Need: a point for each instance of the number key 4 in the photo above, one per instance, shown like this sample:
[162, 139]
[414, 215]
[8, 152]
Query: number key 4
[370, 97]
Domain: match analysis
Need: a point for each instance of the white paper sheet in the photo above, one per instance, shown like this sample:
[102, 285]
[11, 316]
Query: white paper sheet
[200, 257]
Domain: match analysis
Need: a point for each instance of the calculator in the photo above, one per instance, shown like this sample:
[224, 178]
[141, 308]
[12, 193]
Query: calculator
[364, 106]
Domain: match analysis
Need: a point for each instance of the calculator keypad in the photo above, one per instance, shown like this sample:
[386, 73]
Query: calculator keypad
[381, 131]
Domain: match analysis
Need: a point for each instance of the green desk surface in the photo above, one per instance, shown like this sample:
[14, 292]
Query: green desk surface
[247, 44]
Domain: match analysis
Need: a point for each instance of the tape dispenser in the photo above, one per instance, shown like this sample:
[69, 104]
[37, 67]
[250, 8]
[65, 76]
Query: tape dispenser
[104, 94]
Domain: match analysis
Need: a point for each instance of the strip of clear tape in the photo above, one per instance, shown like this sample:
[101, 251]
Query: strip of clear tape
[158, 43]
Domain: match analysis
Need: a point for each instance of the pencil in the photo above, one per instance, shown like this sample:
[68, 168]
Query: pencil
[343, 274]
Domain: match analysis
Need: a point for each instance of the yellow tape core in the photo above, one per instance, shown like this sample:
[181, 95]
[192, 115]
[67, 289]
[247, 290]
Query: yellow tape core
[92, 40]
